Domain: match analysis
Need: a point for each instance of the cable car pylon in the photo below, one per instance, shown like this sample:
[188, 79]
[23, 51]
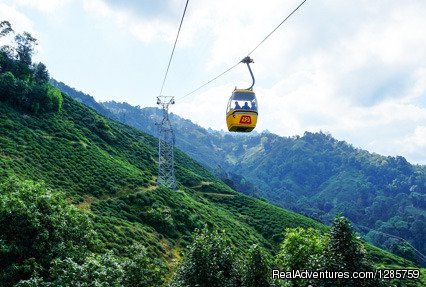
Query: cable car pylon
[166, 142]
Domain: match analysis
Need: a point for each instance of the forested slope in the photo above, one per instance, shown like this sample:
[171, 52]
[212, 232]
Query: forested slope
[108, 170]
[313, 174]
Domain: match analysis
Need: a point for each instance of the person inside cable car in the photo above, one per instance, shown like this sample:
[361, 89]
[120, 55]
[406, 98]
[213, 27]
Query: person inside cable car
[237, 106]
[246, 106]
[253, 106]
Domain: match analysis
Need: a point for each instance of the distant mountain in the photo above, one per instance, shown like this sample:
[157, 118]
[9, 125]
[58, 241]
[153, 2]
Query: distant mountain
[314, 174]
[320, 176]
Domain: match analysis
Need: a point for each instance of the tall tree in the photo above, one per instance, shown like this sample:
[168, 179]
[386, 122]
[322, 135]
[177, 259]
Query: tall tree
[210, 262]
[301, 249]
[36, 227]
[5, 28]
[41, 75]
[256, 270]
[345, 252]
[6, 50]
[25, 47]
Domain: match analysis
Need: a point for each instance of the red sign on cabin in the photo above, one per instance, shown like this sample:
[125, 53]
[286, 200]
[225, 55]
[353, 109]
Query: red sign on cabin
[245, 120]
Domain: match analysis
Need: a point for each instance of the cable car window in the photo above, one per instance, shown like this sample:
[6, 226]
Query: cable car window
[242, 100]
[243, 96]
[242, 105]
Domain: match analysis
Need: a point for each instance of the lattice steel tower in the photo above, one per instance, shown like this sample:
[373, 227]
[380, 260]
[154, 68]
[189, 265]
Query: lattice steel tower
[166, 142]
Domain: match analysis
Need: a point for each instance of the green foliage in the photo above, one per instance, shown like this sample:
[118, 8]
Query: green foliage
[345, 252]
[97, 270]
[403, 249]
[265, 218]
[5, 28]
[35, 281]
[315, 174]
[25, 47]
[7, 85]
[22, 84]
[113, 179]
[209, 262]
[54, 99]
[65, 153]
[257, 271]
[44, 241]
[141, 270]
[102, 270]
[36, 227]
[41, 75]
[107, 269]
[302, 249]
[337, 251]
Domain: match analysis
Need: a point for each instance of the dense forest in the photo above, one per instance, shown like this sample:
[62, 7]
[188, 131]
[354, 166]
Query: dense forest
[313, 174]
[79, 205]
[23, 83]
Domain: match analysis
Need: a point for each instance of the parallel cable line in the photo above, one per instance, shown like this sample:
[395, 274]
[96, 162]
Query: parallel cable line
[174, 47]
[206, 83]
[289, 15]
[421, 255]
[255, 48]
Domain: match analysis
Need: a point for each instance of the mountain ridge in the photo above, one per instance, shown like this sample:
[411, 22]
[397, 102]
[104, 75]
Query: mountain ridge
[377, 178]
[108, 170]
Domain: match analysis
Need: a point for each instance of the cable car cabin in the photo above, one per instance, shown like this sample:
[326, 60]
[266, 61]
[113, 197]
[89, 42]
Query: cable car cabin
[241, 113]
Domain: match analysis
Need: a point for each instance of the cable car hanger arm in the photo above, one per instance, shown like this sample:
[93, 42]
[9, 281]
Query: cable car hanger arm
[247, 60]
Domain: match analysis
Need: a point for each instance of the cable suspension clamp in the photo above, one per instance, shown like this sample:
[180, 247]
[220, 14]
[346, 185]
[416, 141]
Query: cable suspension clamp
[247, 60]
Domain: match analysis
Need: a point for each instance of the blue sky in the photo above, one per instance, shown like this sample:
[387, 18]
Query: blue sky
[356, 69]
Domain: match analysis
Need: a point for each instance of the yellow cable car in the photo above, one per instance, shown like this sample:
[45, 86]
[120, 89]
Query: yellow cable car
[241, 112]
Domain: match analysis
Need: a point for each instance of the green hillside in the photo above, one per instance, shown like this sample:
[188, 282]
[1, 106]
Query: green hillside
[313, 174]
[95, 160]
[108, 170]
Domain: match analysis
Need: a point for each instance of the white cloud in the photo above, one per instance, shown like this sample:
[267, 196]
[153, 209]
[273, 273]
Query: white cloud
[45, 6]
[207, 109]
[417, 139]
[146, 30]
[19, 21]
[414, 145]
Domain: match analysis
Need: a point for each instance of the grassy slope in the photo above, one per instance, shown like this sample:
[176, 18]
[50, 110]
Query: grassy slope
[108, 170]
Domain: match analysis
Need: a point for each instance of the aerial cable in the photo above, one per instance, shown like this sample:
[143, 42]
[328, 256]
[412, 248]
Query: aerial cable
[251, 52]
[174, 46]
[420, 254]
[261, 42]
[206, 83]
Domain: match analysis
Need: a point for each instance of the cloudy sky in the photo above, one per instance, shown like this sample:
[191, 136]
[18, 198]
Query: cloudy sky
[355, 69]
